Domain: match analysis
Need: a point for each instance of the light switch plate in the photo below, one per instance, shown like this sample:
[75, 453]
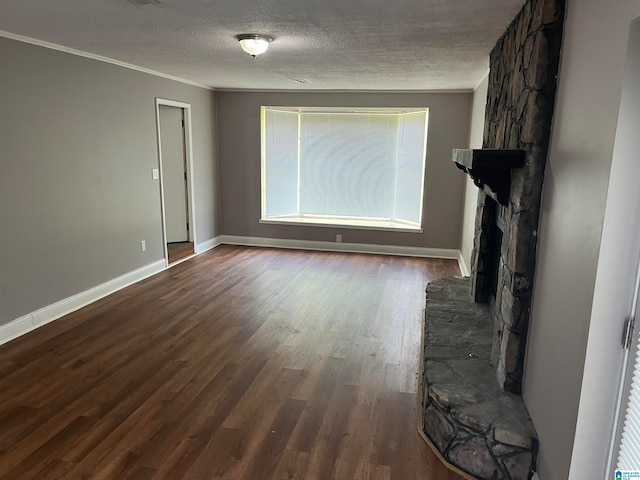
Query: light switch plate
[155, 174]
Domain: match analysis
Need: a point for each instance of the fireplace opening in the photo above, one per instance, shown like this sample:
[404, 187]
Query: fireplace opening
[495, 263]
[493, 254]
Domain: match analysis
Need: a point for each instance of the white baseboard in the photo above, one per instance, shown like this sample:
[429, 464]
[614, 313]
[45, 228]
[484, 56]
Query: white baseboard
[462, 263]
[340, 247]
[207, 245]
[52, 312]
[17, 327]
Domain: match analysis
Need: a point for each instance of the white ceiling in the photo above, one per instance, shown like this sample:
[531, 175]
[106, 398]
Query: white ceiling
[333, 44]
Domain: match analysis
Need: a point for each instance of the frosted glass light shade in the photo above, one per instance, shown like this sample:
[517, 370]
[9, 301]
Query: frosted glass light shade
[254, 44]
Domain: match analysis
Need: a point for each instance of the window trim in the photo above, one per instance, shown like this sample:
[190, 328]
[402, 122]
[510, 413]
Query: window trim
[353, 223]
[333, 221]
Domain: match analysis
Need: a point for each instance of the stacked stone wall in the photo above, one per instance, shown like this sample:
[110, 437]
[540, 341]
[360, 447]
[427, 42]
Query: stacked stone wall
[520, 100]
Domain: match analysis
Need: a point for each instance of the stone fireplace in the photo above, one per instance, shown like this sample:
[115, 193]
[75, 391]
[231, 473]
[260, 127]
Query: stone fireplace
[524, 65]
[520, 99]
[476, 328]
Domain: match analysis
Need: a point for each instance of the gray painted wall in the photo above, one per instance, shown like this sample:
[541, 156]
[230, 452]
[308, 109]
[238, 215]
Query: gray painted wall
[77, 146]
[471, 191]
[565, 310]
[239, 149]
[616, 270]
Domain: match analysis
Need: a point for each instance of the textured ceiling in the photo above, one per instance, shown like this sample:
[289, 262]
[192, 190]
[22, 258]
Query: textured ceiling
[332, 44]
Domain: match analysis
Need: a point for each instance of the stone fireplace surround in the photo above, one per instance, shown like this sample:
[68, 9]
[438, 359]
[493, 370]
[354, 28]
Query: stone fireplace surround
[520, 100]
[474, 344]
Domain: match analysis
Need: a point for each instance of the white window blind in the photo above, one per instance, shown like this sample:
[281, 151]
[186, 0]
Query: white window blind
[281, 142]
[629, 453]
[356, 167]
[627, 435]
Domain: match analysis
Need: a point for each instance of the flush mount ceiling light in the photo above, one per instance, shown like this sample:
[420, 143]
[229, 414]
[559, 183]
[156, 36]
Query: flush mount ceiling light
[253, 43]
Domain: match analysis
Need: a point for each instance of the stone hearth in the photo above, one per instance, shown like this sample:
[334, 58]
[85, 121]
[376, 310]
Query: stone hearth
[474, 424]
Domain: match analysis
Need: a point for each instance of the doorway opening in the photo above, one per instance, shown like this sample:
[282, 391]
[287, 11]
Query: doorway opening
[176, 179]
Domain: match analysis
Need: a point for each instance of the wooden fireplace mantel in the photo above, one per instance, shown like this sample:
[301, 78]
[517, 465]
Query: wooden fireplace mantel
[490, 168]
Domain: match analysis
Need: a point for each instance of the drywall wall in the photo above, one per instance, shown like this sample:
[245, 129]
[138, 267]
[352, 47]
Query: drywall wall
[239, 150]
[470, 190]
[77, 146]
[617, 266]
[571, 226]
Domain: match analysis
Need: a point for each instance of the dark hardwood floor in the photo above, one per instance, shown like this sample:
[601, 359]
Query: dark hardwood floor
[241, 363]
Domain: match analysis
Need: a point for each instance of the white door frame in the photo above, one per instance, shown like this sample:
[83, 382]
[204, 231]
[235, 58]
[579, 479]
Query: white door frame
[188, 140]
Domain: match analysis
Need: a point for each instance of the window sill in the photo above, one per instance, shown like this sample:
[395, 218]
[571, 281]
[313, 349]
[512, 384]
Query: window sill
[361, 224]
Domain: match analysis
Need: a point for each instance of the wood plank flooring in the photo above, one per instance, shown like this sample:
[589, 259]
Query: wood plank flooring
[241, 363]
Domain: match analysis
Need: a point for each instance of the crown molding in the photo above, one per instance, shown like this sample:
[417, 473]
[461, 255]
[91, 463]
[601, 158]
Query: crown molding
[100, 58]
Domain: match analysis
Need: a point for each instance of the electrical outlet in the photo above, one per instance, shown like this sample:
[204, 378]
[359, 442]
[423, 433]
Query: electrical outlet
[143, 245]
[338, 238]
